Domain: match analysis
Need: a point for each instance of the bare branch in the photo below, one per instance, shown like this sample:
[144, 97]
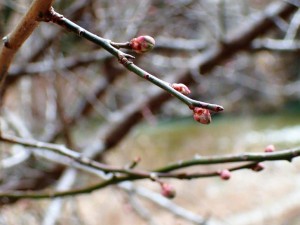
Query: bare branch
[164, 203]
[276, 45]
[13, 41]
[133, 174]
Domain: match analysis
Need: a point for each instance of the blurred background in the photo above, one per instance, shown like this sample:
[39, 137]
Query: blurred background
[64, 89]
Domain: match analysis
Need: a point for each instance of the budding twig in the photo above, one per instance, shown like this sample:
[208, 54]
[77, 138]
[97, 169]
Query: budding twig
[125, 59]
[287, 154]
[120, 174]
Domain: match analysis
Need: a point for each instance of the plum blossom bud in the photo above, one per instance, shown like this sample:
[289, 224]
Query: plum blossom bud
[168, 190]
[182, 88]
[225, 174]
[258, 167]
[202, 115]
[142, 44]
[270, 148]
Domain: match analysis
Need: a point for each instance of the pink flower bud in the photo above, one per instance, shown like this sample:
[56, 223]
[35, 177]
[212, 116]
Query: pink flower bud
[258, 167]
[270, 148]
[202, 115]
[182, 88]
[225, 174]
[142, 44]
[137, 159]
[168, 190]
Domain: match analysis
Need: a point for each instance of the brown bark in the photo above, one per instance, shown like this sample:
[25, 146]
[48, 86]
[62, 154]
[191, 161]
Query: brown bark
[18, 36]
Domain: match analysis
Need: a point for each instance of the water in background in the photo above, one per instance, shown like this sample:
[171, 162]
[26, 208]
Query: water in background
[184, 139]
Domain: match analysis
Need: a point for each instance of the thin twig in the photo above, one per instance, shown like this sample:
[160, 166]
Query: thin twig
[288, 155]
[112, 181]
[293, 26]
[133, 174]
[164, 203]
[276, 45]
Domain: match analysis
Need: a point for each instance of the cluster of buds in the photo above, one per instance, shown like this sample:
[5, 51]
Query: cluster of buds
[142, 44]
[225, 174]
[182, 88]
[270, 148]
[202, 115]
[167, 190]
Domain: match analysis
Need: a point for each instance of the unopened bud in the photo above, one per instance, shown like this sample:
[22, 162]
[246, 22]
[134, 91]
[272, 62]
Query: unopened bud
[225, 174]
[168, 190]
[135, 162]
[270, 148]
[258, 167]
[202, 115]
[182, 88]
[142, 44]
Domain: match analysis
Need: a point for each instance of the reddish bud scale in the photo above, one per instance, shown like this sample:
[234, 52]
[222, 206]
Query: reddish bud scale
[168, 190]
[258, 167]
[218, 109]
[202, 115]
[225, 174]
[270, 148]
[146, 76]
[137, 159]
[182, 88]
[142, 44]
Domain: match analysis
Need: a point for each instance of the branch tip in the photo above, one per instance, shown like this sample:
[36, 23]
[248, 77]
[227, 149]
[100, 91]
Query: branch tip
[124, 58]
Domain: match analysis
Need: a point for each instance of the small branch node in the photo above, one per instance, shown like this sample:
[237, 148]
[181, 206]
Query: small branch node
[81, 31]
[52, 16]
[124, 58]
[258, 167]
[153, 176]
[125, 45]
[6, 42]
[134, 163]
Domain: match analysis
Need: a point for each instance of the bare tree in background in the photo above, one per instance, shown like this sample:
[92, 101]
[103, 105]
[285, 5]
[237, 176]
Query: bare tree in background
[70, 96]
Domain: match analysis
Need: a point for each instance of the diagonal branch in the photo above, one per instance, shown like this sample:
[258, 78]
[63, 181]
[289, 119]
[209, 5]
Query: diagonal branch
[18, 36]
[125, 59]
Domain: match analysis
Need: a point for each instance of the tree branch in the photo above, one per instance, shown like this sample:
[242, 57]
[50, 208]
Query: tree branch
[13, 41]
[124, 59]
[252, 160]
